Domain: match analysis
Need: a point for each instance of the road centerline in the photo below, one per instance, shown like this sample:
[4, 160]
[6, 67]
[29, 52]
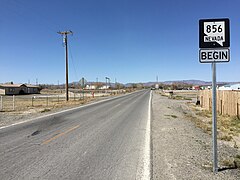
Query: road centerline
[59, 135]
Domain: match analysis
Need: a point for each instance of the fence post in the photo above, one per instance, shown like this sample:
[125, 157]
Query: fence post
[1, 104]
[238, 111]
[13, 102]
[47, 100]
[209, 104]
[221, 107]
[32, 101]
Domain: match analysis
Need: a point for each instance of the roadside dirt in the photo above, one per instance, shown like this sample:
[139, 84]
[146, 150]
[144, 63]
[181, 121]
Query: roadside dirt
[8, 117]
[180, 149]
[12, 117]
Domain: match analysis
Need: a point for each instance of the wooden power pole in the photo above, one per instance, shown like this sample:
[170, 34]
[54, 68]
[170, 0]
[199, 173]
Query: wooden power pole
[65, 42]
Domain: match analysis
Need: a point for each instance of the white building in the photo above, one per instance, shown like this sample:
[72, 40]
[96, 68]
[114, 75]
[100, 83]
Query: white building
[230, 87]
[88, 86]
[104, 87]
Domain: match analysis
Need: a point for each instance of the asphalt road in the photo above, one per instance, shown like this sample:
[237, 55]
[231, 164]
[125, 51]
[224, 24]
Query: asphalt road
[106, 140]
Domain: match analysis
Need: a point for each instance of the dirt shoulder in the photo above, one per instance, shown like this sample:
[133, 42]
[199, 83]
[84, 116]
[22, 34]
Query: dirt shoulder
[181, 150]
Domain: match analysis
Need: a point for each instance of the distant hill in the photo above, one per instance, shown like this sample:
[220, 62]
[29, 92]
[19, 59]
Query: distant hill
[149, 84]
[192, 82]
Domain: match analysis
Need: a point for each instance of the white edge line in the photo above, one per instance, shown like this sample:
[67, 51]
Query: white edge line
[63, 111]
[147, 152]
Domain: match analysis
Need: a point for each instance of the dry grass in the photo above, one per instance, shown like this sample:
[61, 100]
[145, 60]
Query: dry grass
[237, 161]
[228, 163]
[180, 95]
[173, 116]
[45, 110]
[231, 162]
[228, 126]
[52, 91]
[199, 123]
[203, 113]
[41, 105]
[47, 101]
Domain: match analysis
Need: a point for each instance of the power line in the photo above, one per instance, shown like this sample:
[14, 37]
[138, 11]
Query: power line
[72, 60]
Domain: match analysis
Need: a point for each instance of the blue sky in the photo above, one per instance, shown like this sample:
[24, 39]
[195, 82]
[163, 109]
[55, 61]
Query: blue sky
[130, 40]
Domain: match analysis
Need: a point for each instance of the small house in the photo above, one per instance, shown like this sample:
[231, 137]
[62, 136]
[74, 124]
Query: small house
[230, 87]
[196, 88]
[90, 86]
[16, 89]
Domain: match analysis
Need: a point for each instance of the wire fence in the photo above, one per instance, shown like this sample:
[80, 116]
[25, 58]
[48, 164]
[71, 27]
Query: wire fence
[21, 103]
[45, 100]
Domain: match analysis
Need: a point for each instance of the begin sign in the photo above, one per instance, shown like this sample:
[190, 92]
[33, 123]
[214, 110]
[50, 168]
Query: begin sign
[214, 55]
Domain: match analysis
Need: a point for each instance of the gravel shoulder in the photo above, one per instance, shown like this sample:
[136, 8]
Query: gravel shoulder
[180, 150]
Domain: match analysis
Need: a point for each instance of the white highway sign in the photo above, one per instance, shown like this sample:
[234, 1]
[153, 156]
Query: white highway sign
[214, 55]
[214, 33]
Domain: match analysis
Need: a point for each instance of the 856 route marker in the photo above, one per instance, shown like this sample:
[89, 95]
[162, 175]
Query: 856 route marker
[214, 43]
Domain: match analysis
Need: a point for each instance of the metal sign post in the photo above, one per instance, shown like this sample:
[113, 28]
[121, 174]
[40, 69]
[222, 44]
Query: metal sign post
[1, 103]
[214, 119]
[214, 43]
[83, 82]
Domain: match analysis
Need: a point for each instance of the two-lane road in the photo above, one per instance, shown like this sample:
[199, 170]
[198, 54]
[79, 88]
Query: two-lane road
[105, 140]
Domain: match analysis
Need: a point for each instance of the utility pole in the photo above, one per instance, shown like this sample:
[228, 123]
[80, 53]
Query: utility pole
[106, 81]
[64, 34]
[96, 83]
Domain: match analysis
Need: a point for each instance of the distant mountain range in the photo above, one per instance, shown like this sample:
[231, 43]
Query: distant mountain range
[149, 84]
[192, 82]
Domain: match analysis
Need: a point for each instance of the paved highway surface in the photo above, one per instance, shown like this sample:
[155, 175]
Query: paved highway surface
[105, 140]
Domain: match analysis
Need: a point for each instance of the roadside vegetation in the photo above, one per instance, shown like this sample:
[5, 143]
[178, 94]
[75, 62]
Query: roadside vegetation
[173, 116]
[51, 99]
[228, 131]
[228, 126]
